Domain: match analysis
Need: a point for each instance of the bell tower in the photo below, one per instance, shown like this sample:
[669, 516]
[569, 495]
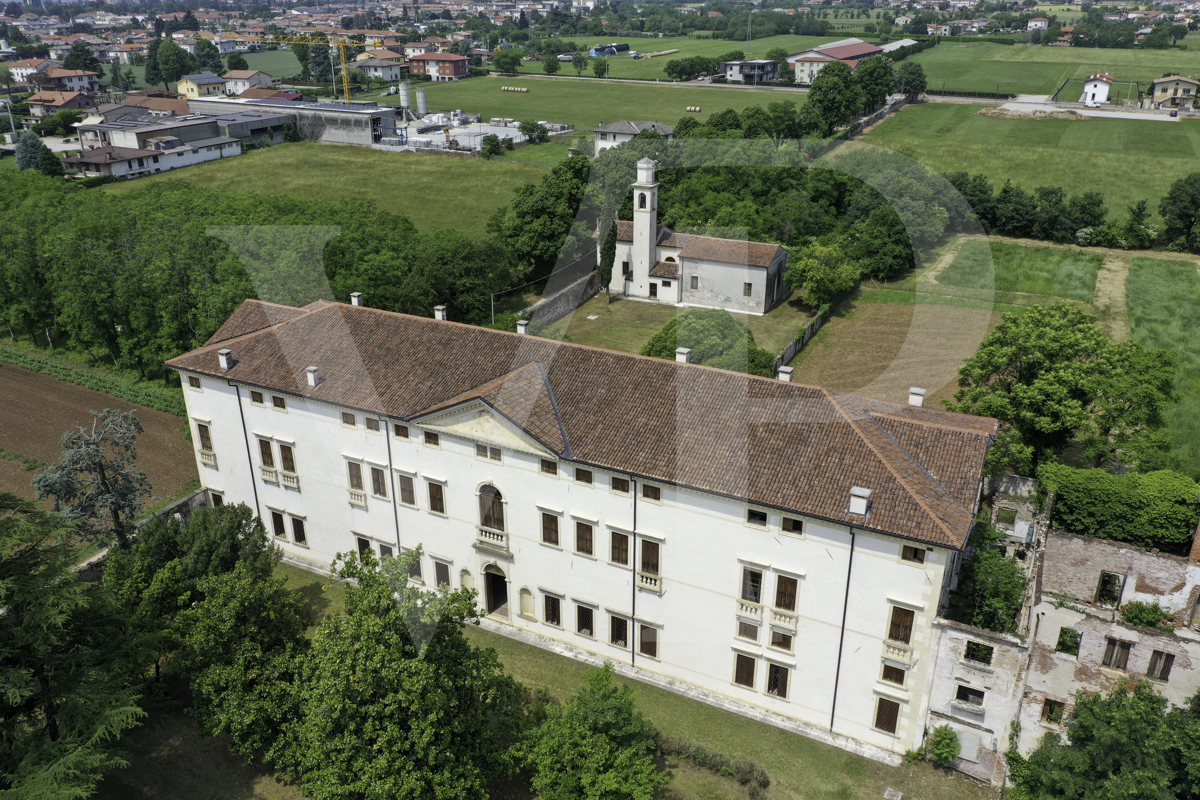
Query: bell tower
[645, 227]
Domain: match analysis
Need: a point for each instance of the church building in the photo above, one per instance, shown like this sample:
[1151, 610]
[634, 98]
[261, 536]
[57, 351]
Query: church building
[657, 264]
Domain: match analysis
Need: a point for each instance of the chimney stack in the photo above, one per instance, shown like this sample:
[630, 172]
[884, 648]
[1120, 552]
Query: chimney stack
[522, 326]
[785, 374]
[226, 358]
[683, 355]
[439, 312]
[356, 298]
[313, 377]
[916, 396]
[860, 500]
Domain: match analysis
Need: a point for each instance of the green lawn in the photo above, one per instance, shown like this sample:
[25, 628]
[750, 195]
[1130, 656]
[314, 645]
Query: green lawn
[276, 63]
[1045, 271]
[434, 191]
[1164, 310]
[1127, 160]
[586, 103]
[1034, 69]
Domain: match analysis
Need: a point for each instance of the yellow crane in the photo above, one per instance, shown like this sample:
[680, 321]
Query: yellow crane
[343, 45]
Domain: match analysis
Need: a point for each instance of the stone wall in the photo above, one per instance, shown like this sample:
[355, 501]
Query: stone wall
[563, 302]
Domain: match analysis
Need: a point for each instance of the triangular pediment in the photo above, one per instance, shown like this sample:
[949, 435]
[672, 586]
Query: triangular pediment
[479, 422]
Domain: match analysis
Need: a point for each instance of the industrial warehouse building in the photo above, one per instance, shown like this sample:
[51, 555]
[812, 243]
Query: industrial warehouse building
[335, 123]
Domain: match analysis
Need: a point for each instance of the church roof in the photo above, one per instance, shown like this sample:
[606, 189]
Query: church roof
[708, 248]
[776, 444]
[665, 269]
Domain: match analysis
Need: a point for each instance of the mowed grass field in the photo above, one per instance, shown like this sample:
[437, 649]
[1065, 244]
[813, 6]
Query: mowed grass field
[1127, 160]
[434, 191]
[1033, 69]
[1066, 273]
[276, 63]
[586, 103]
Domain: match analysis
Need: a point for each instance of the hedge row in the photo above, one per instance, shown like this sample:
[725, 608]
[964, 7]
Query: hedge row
[968, 93]
[99, 383]
[1154, 509]
[747, 773]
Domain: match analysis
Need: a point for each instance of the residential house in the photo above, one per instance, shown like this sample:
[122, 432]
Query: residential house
[440, 66]
[239, 80]
[382, 70]
[1172, 91]
[808, 67]
[163, 155]
[1096, 88]
[902, 20]
[750, 71]
[73, 80]
[662, 266]
[1037, 24]
[939, 30]
[413, 49]
[21, 70]
[202, 84]
[762, 579]
[614, 133]
[381, 55]
[47, 103]
[808, 64]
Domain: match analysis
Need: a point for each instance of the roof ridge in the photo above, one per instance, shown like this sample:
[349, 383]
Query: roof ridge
[554, 404]
[916, 463]
[888, 464]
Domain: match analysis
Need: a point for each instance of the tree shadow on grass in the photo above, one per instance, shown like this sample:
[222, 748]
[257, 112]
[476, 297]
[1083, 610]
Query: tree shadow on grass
[316, 602]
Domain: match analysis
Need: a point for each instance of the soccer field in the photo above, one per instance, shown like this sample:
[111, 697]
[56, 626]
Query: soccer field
[1033, 69]
[1127, 160]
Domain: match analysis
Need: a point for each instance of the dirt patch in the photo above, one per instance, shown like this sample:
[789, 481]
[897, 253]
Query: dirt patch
[1008, 113]
[1110, 299]
[36, 409]
[880, 350]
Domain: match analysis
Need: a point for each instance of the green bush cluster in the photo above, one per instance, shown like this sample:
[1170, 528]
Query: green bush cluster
[715, 338]
[747, 773]
[1154, 509]
[1147, 615]
[99, 383]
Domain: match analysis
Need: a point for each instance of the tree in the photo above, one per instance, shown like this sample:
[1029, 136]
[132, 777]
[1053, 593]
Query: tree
[834, 94]
[778, 55]
[236, 61]
[29, 149]
[809, 121]
[7, 80]
[820, 273]
[543, 215]
[716, 339]
[302, 51]
[174, 62]
[82, 57]
[154, 74]
[1177, 32]
[991, 586]
[910, 79]
[875, 77]
[208, 57]
[600, 67]
[533, 132]
[597, 747]
[291, 133]
[65, 658]
[489, 146]
[943, 745]
[319, 63]
[96, 481]
[392, 695]
[1181, 211]
[507, 61]
[50, 164]
[580, 61]
[550, 64]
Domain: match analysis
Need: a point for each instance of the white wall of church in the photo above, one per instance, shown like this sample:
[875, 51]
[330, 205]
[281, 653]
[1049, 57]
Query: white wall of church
[705, 542]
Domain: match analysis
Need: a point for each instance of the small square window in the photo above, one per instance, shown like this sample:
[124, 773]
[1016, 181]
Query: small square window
[793, 526]
[481, 451]
[618, 631]
[583, 538]
[349, 420]
[194, 382]
[372, 424]
[432, 439]
[747, 630]
[585, 620]
[1160, 665]
[747, 289]
[298, 535]
[648, 641]
[256, 398]
[1068, 641]
[441, 572]
[1108, 593]
[279, 403]
[549, 467]
[583, 476]
[1052, 711]
[217, 500]
[620, 549]
[913, 554]
[400, 431]
[777, 680]
[743, 671]
[781, 640]
[552, 611]
[979, 652]
[550, 529]
[893, 674]
[666, 284]
[651, 493]
[966, 694]
[494, 454]
[620, 485]
[756, 518]
[1116, 654]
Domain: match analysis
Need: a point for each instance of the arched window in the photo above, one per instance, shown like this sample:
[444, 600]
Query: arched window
[465, 580]
[671, 259]
[642, 200]
[491, 508]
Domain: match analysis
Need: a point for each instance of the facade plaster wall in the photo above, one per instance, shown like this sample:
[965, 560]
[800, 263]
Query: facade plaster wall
[705, 544]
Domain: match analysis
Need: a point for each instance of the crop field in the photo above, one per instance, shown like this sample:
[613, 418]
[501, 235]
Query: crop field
[1056, 272]
[1095, 154]
[1164, 310]
[586, 103]
[36, 410]
[434, 191]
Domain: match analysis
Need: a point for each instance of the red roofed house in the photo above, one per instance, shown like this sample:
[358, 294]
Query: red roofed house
[43, 104]
[73, 80]
[1037, 24]
[23, 69]
[440, 66]
[1095, 88]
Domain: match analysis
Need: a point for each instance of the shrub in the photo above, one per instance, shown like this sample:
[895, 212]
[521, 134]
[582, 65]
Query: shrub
[1147, 615]
[943, 745]
[1154, 509]
[716, 339]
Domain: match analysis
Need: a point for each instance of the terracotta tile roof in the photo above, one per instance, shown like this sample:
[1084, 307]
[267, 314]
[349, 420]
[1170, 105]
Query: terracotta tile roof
[665, 269]
[709, 248]
[849, 51]
[783, 445]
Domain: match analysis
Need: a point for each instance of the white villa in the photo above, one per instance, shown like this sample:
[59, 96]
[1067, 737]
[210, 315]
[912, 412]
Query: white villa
[778, 549]
[1096, 88]
[661, 265]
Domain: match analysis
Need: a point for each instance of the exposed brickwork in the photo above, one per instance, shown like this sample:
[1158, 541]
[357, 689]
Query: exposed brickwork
[1073, 566]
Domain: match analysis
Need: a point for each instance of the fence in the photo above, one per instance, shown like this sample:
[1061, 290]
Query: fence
[806, 335]
[966, 93]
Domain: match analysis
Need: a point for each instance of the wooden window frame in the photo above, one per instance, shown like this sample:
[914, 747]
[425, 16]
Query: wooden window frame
[278, 403]
[195, 384]
[204, 434]
[432, 439]
[1116, 654]
[299, 532]
[256, 398]
[354, 472]
[287, 458]
[349, 420]
[278, 525]
[893, 711]
[888, 675]
[612, 547]
[584, 476]
[898, 626]
[745, 668]
[792, 526]
[747, 630]
[788, 646]
[612, 485]
[400, 431]
[781, 596]
[652, 494]
[408, 490]
[549, 600]
[554, 518]
[912, 554]
[585, 534]
[266, 455]
[746, 585]
[548, 468]
[379, 482]
[438, 507]
[752, 515]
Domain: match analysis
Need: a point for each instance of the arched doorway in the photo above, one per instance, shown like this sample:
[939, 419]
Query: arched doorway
[495, 586]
